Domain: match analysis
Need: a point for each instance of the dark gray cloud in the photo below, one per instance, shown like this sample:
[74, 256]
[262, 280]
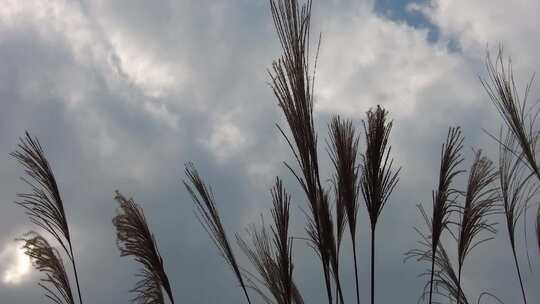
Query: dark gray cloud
[122, 93]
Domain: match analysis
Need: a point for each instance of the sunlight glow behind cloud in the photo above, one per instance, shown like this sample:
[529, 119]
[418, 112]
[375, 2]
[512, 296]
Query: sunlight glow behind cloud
[15, 264]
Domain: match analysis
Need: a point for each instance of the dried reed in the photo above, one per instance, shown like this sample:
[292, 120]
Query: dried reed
[208, 216]
[443, 279]
[378, 175]
[343, 150]
[480, 199]
[271, 253]
[443, 197]
[517, 115]
[135, 239]
[293, 87]
[44, 204]
[517, 189]
[46, 259]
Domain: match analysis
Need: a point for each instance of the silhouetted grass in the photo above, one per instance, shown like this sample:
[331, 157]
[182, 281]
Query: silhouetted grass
[43, 204]
[538, 227]
[292, 83]
[269, 248]
[442, 278]
[208, 215]
[517, 189]
[343, 150]
[480, 199]
[271, 252]
[135, 239]
[378, 176]
[46, 259]
[444, 196]
[518, 116]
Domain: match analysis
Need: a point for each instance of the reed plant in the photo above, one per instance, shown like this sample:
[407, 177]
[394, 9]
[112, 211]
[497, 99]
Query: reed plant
[379, 178]
[44, 207]
[465, 215]
[343, 148]
[135, 239]
[475, 214]
[518, 141]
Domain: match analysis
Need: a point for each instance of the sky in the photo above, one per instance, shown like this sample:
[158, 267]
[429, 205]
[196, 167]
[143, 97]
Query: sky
[122, 93]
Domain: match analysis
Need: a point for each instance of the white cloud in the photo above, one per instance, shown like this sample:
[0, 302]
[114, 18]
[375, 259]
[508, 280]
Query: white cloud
[226, 140]
[474, 24]
[367, 60]
[144, 69]
[116, 54]
[15, 265]
[53, 20]
[127, 69]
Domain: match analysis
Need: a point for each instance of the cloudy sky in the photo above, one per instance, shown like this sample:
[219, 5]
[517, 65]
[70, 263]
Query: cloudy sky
[122, 93]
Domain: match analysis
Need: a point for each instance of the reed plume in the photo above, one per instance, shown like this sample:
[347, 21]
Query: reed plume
[281, 201]
[516, 190]
[379, 178]
[292, 85]
[208, 216]
[517, 115]
[271, 253]
[43, 204]
[47, 260]
[443, 279]
[135, 239]
[263, 258]
[480, 199]
[444, 196]
[343, 150]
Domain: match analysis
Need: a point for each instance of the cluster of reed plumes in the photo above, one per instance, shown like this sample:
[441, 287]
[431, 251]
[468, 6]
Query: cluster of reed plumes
[362, 172]
[45, 209]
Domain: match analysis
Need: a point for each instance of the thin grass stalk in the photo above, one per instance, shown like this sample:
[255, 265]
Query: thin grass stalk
[343, 151]
[517, 189]
[292, 84]
[44, 205]
[480, 199]
[331, 244]
[379, 178]
[340, 227]
[538, 227]
[135, 239]
[325, 240]
[443, 197]
[46, 259]
[208, 216]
